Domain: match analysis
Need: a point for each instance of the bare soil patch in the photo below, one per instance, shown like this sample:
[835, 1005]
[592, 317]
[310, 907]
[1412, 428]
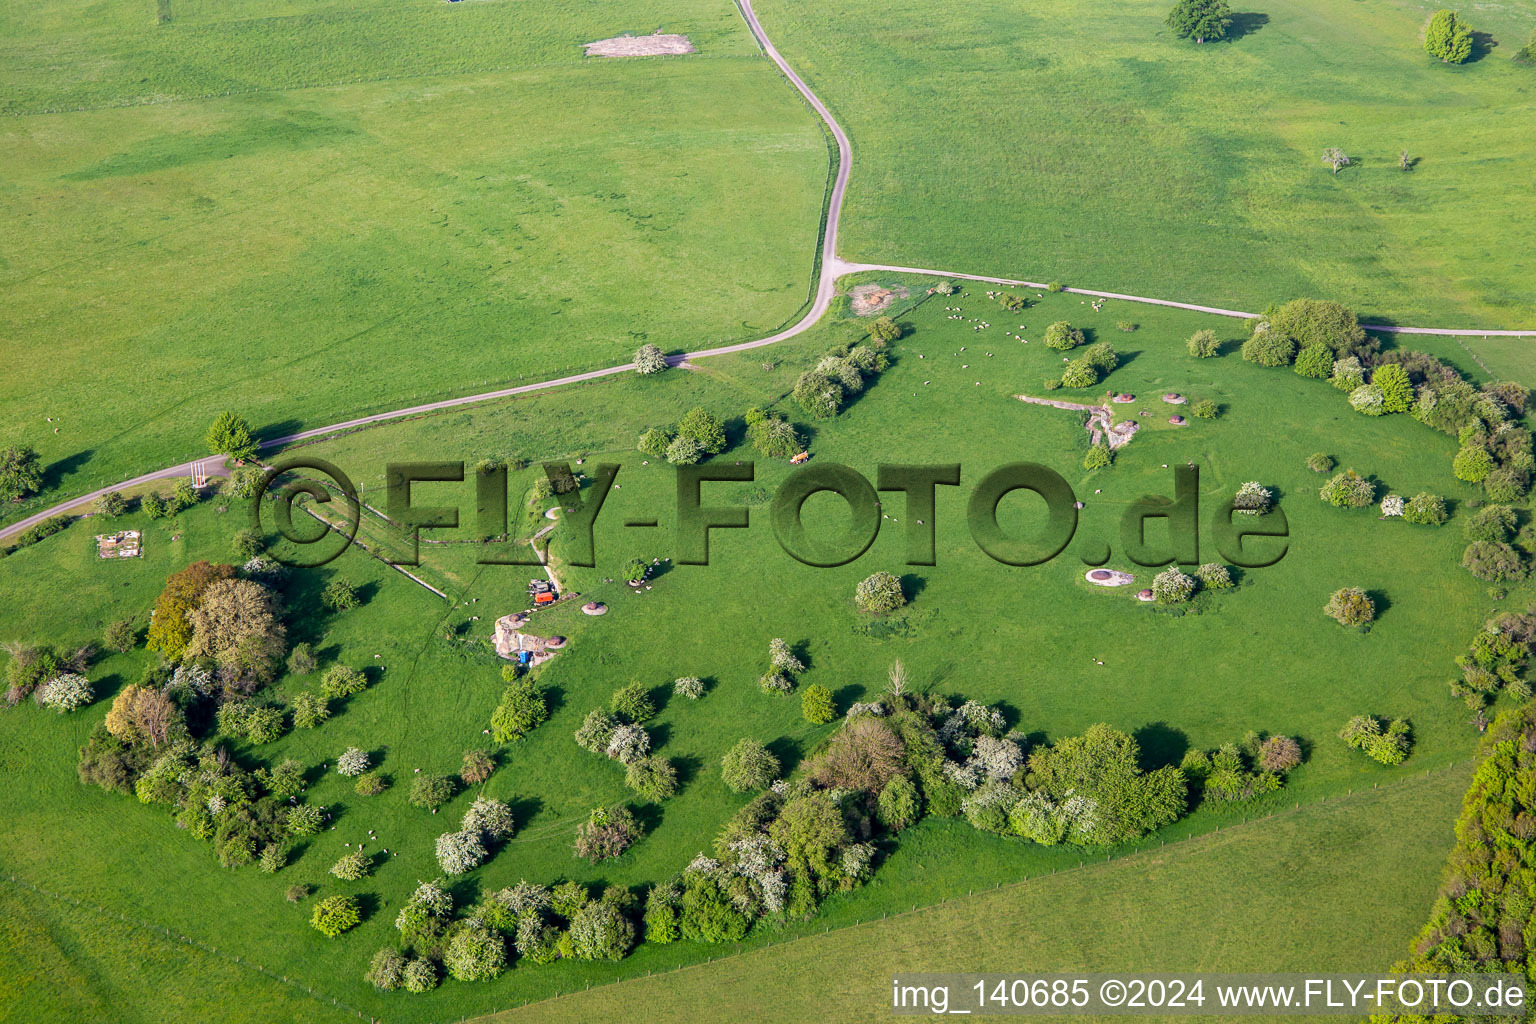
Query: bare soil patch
[869, 299]
[659, 44]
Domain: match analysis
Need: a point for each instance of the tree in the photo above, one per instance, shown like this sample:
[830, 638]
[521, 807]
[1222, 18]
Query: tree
[1253, 499]
[1319, 462]
[884, 329]
[1205, 409]
[1335, 158]
[684, 451]
[879, 593]
[1079, 373]
[1310, 322]
[301, 659]
[782, 657]
[183, 495]
[704, 427]
[1171, 586]
[1062, 336]
[633, 703]
[336, 914]
[652, 778]
[1348, 490]
[154, 505]
[477, 767]
[491, 818]
[1425, 509]
[1495, 523]
[747, 766]
[523, 708]
[1368, 400]
[628, 743]
[649, 359]
[458, 852]
[1348, 374]
[1203, 343]
[65, 693]
[430, 791]
[1493, 561]
[386, 971]
[342, 681]
[170, 627]
[819, 395]
[420, 975]
[238, 625]
[596, 730]
[475, 952]
[863, 756]
[1200, 19]
[21, 472]
[1396, 389]
[120, 636]
[772, 435]
[340, 595]
[304, 820]
[370, 784]
[1279, 754]
[607, 833]
[353, 866]
[1389, 746]
[247, 544]
[600, 931]
[1269, 348]
[1315, 361]
[654, 442]
[816, 704]
[112, 504]
[352, 762]
[1101, 356]
[1446, 36]
[691, 687]
[230, 435]
[1099, 456]
[1350, 606]
[1213, 576]
[1472, 463]
[899, 804]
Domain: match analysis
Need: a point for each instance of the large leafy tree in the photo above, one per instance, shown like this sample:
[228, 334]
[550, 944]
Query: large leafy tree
[170, 628]
[238, 624]
[1200, 19]
[21, 473]
[1448, 37]
[231, 435]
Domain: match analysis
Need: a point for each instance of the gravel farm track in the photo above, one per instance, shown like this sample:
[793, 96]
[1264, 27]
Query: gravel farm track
[830, 270]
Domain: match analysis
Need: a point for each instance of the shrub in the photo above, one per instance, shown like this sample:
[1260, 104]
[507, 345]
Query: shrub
[1494, 523]
[879, 593]
[430, 791]
[596, 730]
[884, 329]
[301, 659]
[1253, 499]
[816, 704]
[304, 820]
[600, 931]
[1205, 409]
[1493, 561]
[1213, 576]
[1350, 606]
[154, 505]
[1172, 586]
[607, 833]
[120, 636]
[386, 971]
[283, 780]
[1269, 348]
[652, 778]
[523, 709]
[352, 866]
[475, 952]
[862, 756]
[684, 451]
[899, 804]
[1389, 746]
[1054, 287]
[781, 657]
[1507, 483]
[309, 710]
[1472, 463]
[420, 976]
[1279, 754]
[654, 442]
[1062, 336]
[352, 763]
[1319, 462]
[476, 767]
[1099, 457]
[1367, 399]
[65, 693]
[340, 595]
[336, 914]
[1079, 373]
[771, 435]
[649, 359]
[1203, 344]
[633, 703]
[273, 857]
[370, 784]
[1348, 374]
[703, 426]
[1101, 356]
[458, 852]
[1348, 490]
[112, 504]
[747, 766]
[775, 684]
[342, 681]
[1317, 322]
[691, 687]
[1392, 505]
[296, 893]
[1396, 389]
[247, 544]
[490, 817]
[1425, 509]
[1315, 361]
[628, 743]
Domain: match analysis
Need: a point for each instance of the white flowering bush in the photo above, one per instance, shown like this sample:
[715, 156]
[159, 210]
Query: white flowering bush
[1392, 505]
[781, 657]
[1172, 586]
[1253, 499]
[965, 775]
[194, 677]
[352, 763]
[629, 743]
[429, 900]
[1036, 818]
[861, 709]
[458, 852]
[857, 860]
[691, 687]
[995, 758]
[1367, 399]
[490, 817]
[66, 692]
[775, 683]
[703, 864]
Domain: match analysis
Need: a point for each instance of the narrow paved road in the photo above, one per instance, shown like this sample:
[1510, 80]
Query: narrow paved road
[831, 269]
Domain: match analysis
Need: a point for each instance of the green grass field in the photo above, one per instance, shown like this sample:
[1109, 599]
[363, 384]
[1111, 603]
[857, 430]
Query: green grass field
[1081, 142]
[334, 238]
[1206, 905]
[1258, 657]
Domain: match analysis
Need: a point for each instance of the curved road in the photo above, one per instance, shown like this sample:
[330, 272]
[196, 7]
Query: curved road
[831, 269]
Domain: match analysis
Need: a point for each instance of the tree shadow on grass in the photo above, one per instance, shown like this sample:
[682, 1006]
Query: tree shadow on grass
[1245, 23]
[1161, 745]
[524, 809]
[649, 816]
[1483, 44]
[687, 768]
[1380, 601]
[56, 472]
[789, 753]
